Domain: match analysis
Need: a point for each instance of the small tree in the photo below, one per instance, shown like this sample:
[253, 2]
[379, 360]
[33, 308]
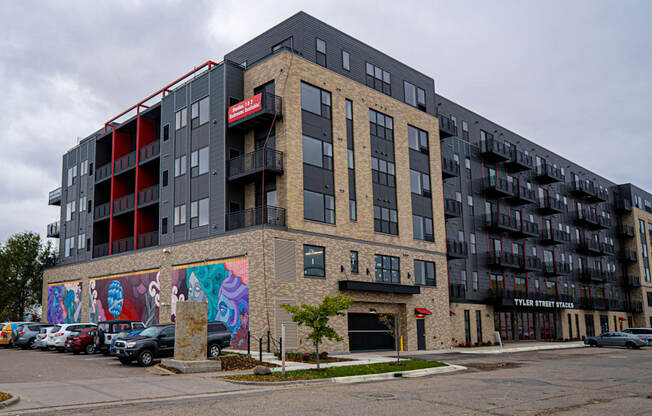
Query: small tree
[396, 327]
[317, 317]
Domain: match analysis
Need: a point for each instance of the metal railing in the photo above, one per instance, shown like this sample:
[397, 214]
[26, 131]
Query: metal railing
[253, 162]
[127, 161]
[452, 208]
[102, 211]
[270, 215]
[122, 245]
[149, 151]
[148, 239]
[54, 196]
[147, 195]
[53, 229]
[101, 250]
[456, 249]
[103, 172]
[123, 204]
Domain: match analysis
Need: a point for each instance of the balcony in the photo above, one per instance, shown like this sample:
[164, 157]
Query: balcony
[551, 236]
[588, 246]
[452, 208]
[270, 215]
[610, 276]
[589, 274]
[124, 163]
[494, 151]
[449, 168]
[504, 260]
[604, 223]
[555, 268]
[100, 250]
[632, 280]
[446, 127]
[457, 292]
[501, 222]
[102, 173]
[531, 264]
[381, 287]
[623, 205]
[148, 239]
[120, 246]
[518, 161]
[546, 174]
[581, 188]
[255, 111]
[586, 218]
[523, 196]
[102, 211]
[498, 187]
[599, 195]
[252, 163]
[550, 206]
[54, 197]
[634, 307]
[123, 204]
[148, 196]
[149, 152]
[526, 229]
[625, 231]
[53, 229]
[607, 249]
[456, 249]
[627, 256]
[615, 304]
[600, 304]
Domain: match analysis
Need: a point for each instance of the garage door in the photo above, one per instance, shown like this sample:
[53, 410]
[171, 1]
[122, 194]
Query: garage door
[366, 332]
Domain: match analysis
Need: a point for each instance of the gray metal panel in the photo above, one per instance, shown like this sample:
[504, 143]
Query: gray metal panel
[166, 201]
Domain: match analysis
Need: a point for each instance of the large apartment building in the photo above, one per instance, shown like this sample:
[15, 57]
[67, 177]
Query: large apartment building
[307, 163]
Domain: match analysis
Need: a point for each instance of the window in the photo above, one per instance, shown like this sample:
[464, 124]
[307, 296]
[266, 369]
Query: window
[414, 96]
[70, 209]
[317, 153]
[164, 225]
[199, 162]
[180, 166]
[381, 126]
[417, 139]
[346, 61]
[349, 110]
[315, 100]
[89, 206]
[82, 204]
[351, 159]
[478, 325]
[378, 79]
[420, 183]
[90, 168]
[199, 213]
[424, 273]
[422, 228]
[472, 243]
[387, 269]
[383, 172]
[180, 214]
[72, 174]
[353, 211]
[465, 130]
[199, 112]
[467, 326]
[313, 261]
[165, 178]
[181, 118]
[68, 246]
[385, 220]
[81, 241]
[287, 43]
[354, 261]
[318, 207]
[83, 167]
[166, 132]
[475, 281]
[321, 52]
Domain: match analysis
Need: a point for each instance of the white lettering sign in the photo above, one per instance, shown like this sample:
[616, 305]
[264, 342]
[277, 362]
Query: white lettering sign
[544, 303]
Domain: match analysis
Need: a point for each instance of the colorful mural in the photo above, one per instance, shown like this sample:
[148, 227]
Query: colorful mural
[64, 302]
[224, 284]
[132, 296]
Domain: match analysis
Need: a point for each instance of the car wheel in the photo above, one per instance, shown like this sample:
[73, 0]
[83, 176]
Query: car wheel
[90, 349]
[32, 345]
[125, 361]
[593, 343]
[214, 350]
[145, 358]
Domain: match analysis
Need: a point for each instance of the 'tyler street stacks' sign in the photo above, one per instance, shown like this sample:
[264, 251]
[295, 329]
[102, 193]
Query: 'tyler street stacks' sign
[544, 303]
[245, 108]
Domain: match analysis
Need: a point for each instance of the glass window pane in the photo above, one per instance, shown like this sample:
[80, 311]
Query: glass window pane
[204, 112]
[321, 46]
[415, 182]
[421, 96]
[203, 212]
[410, 93]
[328, 149]
[203, 160]
[413, 138]
[310, 98]
[370, 69]
[313, 206]
[312, 151]
[386, 77]
[417, 227]
[345, 60]
[392, 215]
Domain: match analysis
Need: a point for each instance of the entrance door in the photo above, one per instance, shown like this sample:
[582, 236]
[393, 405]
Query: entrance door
[366, 332]
[547, 325]
[525, 325]
[421, 334]
[503, 324]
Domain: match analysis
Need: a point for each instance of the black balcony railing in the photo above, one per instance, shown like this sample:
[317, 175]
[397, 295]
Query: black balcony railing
[122, 245]
[525, 228]
[600, 304]
[632, 280]
[124, 163]
[603, 222]
[450, 168]
[546, 173]
[148, 239]
[599, 195]
[452, 208]
[499, 187]
[610, 276]
[102, 211]
[494, 150]
[457, 292]
[626, 231]
[270, 215]
[270, 106]
[531, 264]
[588, 246]
[523, 196]
[633, 306]
[149, 151]
[607, 249]
[550, 206]
[551, 236]
[446, 127]
[586, 217]
[54, 197]
[101, 250]
[123, 204]
[504, 259]
[627, 256]
[252, 163]
[103, 172]
[501, 222]
[581, 188]
[456, 249]
[518, 160]
[623, 205]
[53, 230]
[148, 196]
[615, 304]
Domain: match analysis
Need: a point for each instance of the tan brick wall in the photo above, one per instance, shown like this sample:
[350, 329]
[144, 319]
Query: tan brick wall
[457, 322]
[640, 294]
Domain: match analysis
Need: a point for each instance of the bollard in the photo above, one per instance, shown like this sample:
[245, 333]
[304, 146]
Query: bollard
[268, 342]
[260, 348]
[248, 344]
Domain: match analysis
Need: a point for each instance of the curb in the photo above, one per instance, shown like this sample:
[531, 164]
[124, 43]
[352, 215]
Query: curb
[530, 349]
[11, 401]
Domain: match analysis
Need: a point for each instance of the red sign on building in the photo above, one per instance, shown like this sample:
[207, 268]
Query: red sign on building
[245, 108]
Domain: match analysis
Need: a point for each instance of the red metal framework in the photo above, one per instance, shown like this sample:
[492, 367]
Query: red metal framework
[162, 91]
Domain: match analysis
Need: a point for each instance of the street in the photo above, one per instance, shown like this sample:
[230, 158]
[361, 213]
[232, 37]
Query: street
[595, 381]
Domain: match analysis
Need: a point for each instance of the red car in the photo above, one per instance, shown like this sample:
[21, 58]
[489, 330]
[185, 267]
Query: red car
[83, 340]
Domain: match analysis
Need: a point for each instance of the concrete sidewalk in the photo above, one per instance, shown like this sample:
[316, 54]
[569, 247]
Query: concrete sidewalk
[507, 348]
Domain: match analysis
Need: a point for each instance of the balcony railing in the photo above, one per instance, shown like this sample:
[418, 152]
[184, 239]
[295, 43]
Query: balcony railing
[452, 208]
[54, 197]
[588, 246]
[610, 276]
[149, 151]
[53, 229]
[632, 280]
[531, 264]
[251, 163]
[456, 249]
[450, 168]
[102, 211]
[124, 163]
[582, 188]
[148, 239]
[446, 127]
[550, 206]
[625, 231]
[101, 250]
[247, 115]
[501, 222]
[627, 256]
[623, 205]
[546, 173]
[633, 306]
[553, 236]
[103, 172]
[518, 160]
[504, 259]
[457, 292]
[523, 196]
[120, 246]
[586, 217]
[499, 187]
[148, 196]
[598, 195]
[603, 222]
[607, 249]
[525, 228]
[123, 204]
[270, 215]
[494, 150]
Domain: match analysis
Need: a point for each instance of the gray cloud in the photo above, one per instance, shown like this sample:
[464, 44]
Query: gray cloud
[572, 76]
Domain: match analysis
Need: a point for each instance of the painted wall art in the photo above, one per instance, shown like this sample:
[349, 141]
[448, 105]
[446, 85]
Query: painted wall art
[132, 296]
[224, 285]
[64, 302]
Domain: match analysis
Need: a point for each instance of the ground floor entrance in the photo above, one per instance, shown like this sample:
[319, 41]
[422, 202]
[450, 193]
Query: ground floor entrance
[367, 332]
[518, 325]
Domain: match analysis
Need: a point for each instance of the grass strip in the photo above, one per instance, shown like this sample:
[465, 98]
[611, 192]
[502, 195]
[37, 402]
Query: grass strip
[4, 396]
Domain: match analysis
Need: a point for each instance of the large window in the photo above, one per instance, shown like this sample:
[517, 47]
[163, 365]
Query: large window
[181, 118]
[378, 79]
[315, 100]
[318, 207]
[313, 261]
[68, 246]
[420, 183]
[199, 162]
[383, 172]
[387, 269]
[417, 139]
[199, 213]
[199, 113]
[180, 166]
[381, 125]
[385, 220]
[180, 214]
[70, 209]
[414, 96]
[422, 228]
[317, 153]
[72, 174]
[424, 273]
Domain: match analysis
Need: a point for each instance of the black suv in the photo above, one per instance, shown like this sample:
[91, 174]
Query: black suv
[108, 331]
[157, 341]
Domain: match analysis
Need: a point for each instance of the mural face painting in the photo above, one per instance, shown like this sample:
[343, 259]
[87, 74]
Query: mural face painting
[224, 285]
[64, 303]
[133, 297]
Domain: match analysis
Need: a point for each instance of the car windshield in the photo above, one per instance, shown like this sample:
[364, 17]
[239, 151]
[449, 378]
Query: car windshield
[152, 331]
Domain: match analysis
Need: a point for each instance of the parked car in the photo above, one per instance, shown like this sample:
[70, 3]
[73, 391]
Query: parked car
[42, 338]
[57, 338]
[7, 333]
[645, 333]
[123, 335]
[107, 331]
[158, 341]
[28, 334]
[83, 340]
[616, 339]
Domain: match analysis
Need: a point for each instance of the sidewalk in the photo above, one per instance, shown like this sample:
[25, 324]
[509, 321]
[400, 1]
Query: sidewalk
[507, 348]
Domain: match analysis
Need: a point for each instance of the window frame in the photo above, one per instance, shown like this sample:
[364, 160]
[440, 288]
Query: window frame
[323, 261]
[425, 281]
[393, 273]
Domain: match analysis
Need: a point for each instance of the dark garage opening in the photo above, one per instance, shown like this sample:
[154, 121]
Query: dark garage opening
[366, 332]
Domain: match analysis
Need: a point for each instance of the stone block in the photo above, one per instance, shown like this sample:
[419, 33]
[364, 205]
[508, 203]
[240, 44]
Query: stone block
[200, 366]
[191, 331]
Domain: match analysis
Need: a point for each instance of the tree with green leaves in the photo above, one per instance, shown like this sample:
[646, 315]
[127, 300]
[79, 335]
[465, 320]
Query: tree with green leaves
[397, 325]
[23, 258]
[317, 317]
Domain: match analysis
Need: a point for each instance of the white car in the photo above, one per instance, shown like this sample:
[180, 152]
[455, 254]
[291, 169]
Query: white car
[42, 338]
[57, 337]
[645, 333]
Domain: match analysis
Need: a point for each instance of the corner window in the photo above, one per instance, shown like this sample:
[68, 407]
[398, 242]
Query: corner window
[318, 207]
[180, 214]
[313, 261]
[315, 100]
[354, 263]
[424, 273]
[346, 61]
[317, 153]
[181, 118]
[164, 225]
[321, 52]
[199, 213]
[199, 162]
[387, 269]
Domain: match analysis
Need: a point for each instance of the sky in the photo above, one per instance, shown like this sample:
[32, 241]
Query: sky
[575, 77]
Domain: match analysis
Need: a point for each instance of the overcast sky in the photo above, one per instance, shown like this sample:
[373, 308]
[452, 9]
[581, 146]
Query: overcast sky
[573, 76]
